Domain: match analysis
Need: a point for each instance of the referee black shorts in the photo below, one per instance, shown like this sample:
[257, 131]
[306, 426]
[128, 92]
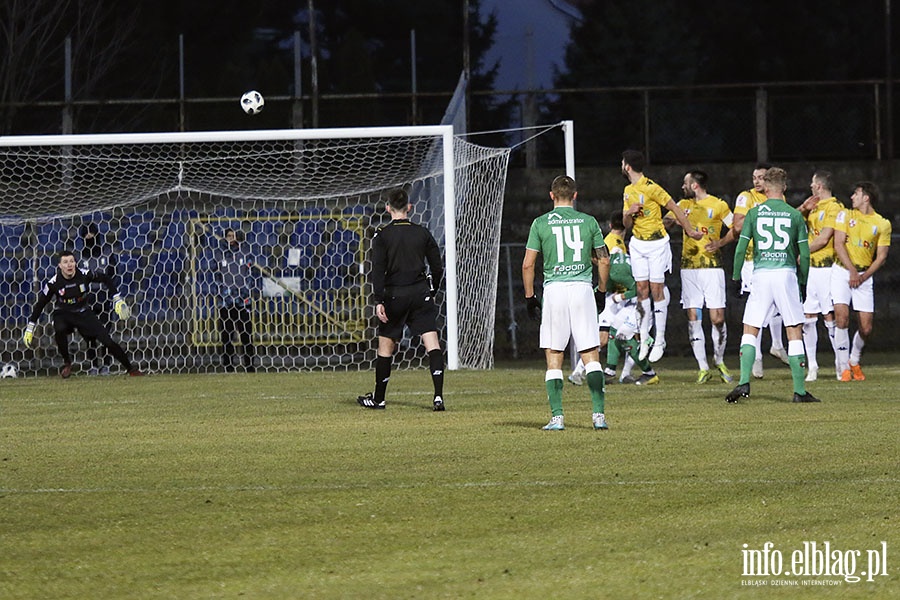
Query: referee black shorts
[85, 322]
[416, 311]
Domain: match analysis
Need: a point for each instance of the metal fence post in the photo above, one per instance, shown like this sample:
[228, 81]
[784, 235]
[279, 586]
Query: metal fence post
[511, 304]
[762, 129]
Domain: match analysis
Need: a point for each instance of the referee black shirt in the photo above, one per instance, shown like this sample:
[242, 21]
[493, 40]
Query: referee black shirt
[400, 252]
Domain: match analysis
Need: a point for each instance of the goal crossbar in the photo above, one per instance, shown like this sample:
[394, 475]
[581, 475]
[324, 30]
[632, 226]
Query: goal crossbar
[255, 135]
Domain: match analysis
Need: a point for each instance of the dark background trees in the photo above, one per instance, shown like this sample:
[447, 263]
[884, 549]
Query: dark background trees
[689, 44]
[128, 51]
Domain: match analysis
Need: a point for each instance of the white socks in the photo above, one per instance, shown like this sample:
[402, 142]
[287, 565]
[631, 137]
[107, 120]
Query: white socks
[842, 348]
[698, 343]
[856, 349]
[720, 336]
[811, 340]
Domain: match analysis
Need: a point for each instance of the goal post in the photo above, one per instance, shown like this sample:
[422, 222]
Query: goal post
[306, 202]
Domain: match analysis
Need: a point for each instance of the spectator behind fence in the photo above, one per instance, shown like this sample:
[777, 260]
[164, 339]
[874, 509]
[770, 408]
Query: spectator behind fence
[238, 281]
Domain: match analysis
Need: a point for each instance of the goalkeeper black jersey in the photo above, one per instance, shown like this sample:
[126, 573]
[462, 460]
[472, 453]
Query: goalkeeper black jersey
[71, 295]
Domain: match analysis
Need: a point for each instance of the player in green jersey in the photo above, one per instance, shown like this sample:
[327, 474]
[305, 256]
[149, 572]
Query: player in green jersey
[615, 243]
[624, 331]
[780, 249]
[742, 205]
[567, 240]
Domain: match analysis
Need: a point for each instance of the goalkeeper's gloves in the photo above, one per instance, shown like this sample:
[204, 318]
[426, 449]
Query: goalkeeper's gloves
[736, 286]
[120, 307]
[28, 336]
[802, 293]
[534, 308]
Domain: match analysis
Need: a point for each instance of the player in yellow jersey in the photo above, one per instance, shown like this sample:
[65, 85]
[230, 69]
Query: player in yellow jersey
[820, 211]
[742, 205]
[651, 253]
[862, 239]
[702, 272]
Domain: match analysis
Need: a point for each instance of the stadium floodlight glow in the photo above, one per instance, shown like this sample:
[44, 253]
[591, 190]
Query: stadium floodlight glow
[307, 201]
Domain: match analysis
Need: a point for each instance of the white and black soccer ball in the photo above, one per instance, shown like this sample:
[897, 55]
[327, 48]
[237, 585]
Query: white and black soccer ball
[252, 102]
[9, 371]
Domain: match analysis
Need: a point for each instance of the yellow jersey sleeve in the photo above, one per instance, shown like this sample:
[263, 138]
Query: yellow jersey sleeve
[745, 201]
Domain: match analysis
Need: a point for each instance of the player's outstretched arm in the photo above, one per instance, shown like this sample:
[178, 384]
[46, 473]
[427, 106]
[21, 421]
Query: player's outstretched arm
[36, 311]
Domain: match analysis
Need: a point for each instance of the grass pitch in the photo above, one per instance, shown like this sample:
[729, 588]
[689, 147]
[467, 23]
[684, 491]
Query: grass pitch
[280, 486]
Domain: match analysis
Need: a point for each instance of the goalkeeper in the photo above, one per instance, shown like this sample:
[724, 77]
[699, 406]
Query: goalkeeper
[70, 288]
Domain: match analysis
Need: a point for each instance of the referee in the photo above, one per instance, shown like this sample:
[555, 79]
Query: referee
[403, 295]
[70, 287]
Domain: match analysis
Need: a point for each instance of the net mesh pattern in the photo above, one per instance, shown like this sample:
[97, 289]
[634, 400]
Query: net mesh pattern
[304, 212]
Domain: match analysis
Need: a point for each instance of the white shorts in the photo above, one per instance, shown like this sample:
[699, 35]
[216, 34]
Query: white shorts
[569, 311]
[703, 286]
[818, 291]
[608, 315]
[626, 322]
[774, 287]
[650, 261]
[747, 284]
[862, 299]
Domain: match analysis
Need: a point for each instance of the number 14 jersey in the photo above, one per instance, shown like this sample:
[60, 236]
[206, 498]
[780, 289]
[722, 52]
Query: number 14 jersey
[565, 238]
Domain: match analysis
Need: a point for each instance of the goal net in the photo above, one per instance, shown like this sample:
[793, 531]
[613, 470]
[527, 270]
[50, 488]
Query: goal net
[304, 205]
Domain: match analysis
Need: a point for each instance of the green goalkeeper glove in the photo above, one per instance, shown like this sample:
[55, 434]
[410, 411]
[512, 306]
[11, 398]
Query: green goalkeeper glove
[120, 307]
[28, 336]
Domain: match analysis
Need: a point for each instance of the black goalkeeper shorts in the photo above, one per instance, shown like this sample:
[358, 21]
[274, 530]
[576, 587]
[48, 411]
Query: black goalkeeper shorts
[86, 322]
[416, 311]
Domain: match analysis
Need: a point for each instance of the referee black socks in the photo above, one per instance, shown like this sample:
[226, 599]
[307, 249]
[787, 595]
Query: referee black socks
[436, 365]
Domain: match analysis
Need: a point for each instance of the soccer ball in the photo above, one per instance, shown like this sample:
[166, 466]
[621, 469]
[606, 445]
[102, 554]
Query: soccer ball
[8, 371]
[252, 102]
